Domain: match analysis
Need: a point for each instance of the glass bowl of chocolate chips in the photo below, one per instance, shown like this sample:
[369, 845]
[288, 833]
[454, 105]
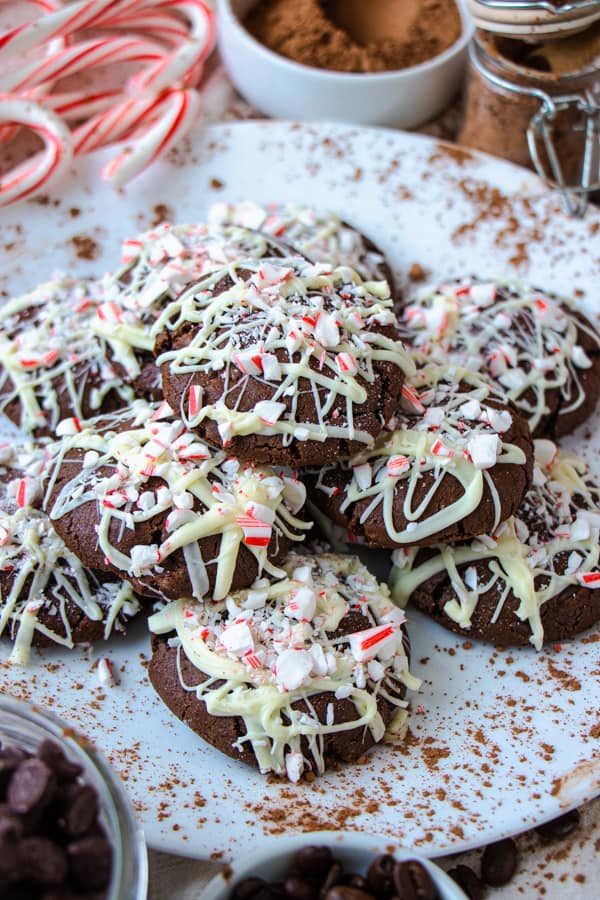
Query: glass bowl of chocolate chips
[331, 865]
[67, 829]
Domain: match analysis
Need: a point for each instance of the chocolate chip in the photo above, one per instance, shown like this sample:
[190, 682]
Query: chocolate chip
[10, 757]
[356, 881]
[31, 786]
[52, 754]
[300, 888]
[466, 879]
[315, 862]
[343, 892]
[247, 888]
[560, 827]
[11, 827]
[334, 877]
[90, 862]
[499, 862]
[20, 892]
[44, 861]
[412, 881]
[81, 810]
[380, 875]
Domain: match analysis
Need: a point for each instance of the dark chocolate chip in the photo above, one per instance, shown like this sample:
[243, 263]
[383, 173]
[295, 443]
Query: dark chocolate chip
[334, 877]
[315, 862]
[560, 827]
[81, 810]
[44, 861]
[413, 882]
[11, 827]
[353, 879]
[51, 753]
[499, 862]
[247, 888]
[10, 757]
[90, 862]
[344, 892]
[20, 892]
[298, 887]
[466, 879]
[31, 786]
[381, 874]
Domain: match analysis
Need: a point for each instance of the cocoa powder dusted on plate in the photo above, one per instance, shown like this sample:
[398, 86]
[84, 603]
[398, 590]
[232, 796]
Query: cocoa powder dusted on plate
[354, 36]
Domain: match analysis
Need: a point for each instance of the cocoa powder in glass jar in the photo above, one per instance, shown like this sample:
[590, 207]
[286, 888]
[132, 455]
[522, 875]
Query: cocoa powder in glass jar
[508, 84]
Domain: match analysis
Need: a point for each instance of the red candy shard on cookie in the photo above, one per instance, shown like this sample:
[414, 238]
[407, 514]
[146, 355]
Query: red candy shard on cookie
[290, 361]
[534, 579]
[288, 675]
[138, 495]
[47, 597]
[540, 353]
[457, 463]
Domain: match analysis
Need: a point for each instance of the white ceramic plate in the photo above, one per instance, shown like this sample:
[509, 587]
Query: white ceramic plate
[499, 740]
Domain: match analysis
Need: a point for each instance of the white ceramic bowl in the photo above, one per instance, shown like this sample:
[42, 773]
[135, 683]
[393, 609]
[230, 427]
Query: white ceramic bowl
[272, 858]
[404, 98]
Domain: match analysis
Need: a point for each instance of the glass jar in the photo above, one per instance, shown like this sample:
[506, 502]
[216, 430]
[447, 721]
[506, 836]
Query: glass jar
[535, 112]
[23, 725]
[533, 18]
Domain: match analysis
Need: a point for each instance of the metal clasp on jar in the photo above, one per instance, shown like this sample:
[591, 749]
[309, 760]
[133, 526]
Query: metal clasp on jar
[557, 9]
[540, 133]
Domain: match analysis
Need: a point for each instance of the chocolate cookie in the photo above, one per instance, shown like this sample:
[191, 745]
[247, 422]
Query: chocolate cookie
[139, 496]
[283, 360]
[155, 267]
[535, 347]
[319, 234]
[535, 579]
[47, 596]
[457, 464]
[323, 651]
[51, 364]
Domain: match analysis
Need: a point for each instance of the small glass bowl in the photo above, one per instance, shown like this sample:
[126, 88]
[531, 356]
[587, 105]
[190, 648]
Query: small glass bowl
[26, 726]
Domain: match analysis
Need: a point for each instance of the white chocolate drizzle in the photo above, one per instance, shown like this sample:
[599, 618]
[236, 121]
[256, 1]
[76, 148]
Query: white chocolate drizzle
[551, 544]
[278, 317]
[525, 340]
[203, 491]
[47, 346]
[48, 578]
[447, 429]
[155, 267]
[270, 646]
[319, 234]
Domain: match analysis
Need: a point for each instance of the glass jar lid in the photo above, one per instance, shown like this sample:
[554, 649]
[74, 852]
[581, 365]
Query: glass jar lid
[534, 18]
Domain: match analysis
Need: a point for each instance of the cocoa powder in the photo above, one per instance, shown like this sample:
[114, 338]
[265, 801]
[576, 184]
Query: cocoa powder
[354, 36]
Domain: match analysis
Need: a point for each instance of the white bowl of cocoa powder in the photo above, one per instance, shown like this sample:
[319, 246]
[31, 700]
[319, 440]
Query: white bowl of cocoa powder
[387, 62]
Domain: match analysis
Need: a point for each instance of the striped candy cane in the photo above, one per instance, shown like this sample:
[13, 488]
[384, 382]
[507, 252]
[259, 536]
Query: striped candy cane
[178, 116]
[44, 167]
[78, 58]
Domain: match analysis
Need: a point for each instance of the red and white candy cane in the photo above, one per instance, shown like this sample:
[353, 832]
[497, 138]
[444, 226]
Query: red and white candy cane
[8, 132]
[180, 111]
[185, 63]
[44, 167]
[157, 109]
[80, 57]
[64, 22]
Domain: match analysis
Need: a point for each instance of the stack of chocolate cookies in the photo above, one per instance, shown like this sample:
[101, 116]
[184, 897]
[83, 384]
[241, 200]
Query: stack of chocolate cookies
[188, 405]
[213, 360]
